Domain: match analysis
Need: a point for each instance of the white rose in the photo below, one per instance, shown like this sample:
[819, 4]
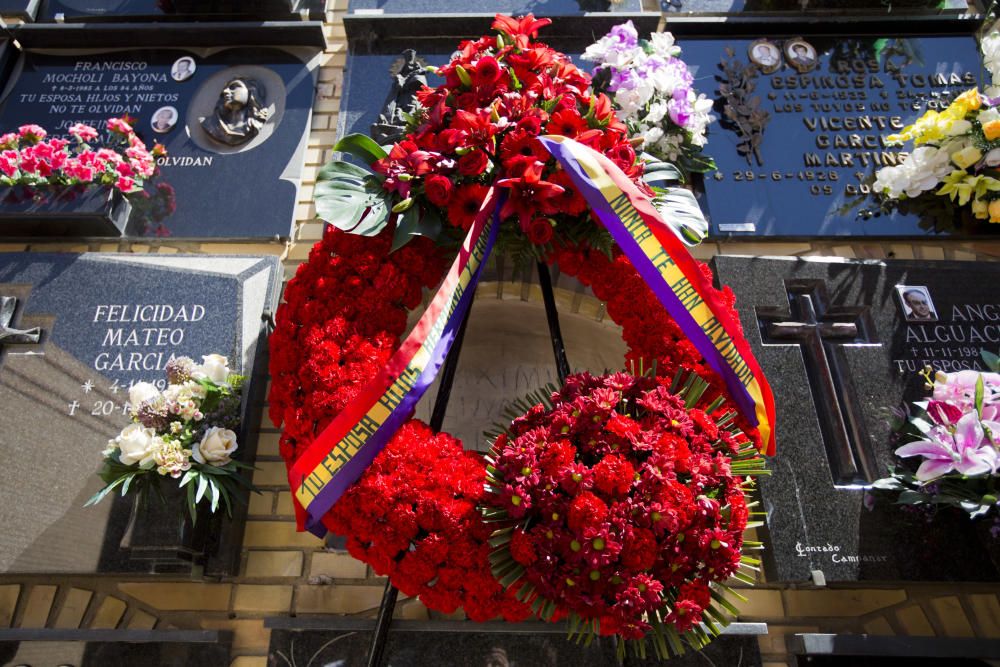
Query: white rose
[137, 444]
[141, 392]
[216, 447]
[215, 367]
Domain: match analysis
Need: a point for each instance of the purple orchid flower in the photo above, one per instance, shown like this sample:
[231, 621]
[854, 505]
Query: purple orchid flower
[964, 448]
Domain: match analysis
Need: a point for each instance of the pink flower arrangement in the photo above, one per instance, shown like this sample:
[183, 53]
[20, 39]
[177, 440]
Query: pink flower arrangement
[28, 158]
[955, 437]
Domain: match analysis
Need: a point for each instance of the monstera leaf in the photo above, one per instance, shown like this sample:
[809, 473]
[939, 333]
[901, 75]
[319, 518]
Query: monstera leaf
[352, 199]
[677, 205]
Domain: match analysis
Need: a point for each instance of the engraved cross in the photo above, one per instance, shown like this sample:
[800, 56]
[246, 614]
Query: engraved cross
[8, 334]
[822, 332]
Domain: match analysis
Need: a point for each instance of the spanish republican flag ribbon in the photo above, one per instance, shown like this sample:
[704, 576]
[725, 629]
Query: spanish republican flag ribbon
[345, 448]
[670, 271]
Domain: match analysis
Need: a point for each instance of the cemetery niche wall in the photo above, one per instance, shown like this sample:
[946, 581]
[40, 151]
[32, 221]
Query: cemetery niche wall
[76, 331]
[842, 351]
[230, 119]
[118, 10]
[803, 121]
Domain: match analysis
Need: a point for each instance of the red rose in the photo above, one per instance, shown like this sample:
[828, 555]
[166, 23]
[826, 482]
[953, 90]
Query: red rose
[540, 231]
[473, 164]
[438, 189]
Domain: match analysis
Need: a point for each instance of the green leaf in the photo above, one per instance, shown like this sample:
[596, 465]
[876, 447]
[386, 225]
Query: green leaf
[681, 212]
[415, 222]
[202, 488]
[658, 171]
[980, 390]
[992, 361]
[352, 199]
[362, 147]
[99, 496]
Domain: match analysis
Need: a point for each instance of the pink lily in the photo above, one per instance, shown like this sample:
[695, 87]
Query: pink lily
[963, 448]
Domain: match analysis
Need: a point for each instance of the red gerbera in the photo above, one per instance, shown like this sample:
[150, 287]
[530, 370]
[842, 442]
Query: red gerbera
[466, 201]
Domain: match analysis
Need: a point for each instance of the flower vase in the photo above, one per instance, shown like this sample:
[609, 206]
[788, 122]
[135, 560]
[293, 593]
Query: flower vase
[74, 211]
[161, 537]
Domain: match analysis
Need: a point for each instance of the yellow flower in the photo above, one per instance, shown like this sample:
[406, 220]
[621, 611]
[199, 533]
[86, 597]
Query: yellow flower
[966, 157]
[991, 130]
[995, 210]
[966, 102]
[958, 185]
[980, 209]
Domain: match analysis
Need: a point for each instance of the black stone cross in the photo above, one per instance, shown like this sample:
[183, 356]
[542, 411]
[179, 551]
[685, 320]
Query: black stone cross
[7, 333]
[822, 331]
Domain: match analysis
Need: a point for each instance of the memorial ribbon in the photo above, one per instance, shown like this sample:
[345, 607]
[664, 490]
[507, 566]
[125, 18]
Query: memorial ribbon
[673, 275]
[345, 448]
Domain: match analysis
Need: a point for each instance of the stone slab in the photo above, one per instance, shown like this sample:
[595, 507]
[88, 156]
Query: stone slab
[107, 321]
[415, 648]
[822, 129]
[833, 427]
[206, 189]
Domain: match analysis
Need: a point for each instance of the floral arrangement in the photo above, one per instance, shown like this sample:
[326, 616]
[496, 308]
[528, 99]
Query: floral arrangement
[416, 513]
[185, 432]
[653, 93]
[627, 507]
[955, 436]
[121, 160]
[956, 155]
[479, 128]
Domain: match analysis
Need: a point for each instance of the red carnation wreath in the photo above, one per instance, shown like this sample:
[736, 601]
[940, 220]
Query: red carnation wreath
[618, 501]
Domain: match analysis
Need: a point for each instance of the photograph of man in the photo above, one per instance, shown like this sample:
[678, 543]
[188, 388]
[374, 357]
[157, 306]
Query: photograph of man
[164, 119]
[916, 303]
[800, 54]
[183, 69]
[766, 55]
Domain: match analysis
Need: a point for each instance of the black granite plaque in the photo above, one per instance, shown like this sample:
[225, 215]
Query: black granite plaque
[112, 654]
[472, 648]
[22, 9]
[120, 10]
[798, 148]
[207, 188]
[861, 7]
[75, 332]
[509, 7]
[841, 350]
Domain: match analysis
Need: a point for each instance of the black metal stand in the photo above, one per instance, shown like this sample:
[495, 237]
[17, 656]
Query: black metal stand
[388, 605]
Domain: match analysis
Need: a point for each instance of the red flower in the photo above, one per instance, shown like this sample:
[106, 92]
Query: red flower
[465, 203]
[473, 163]
[586, 510]
[438, 189]
[522, 29]
[567, 122]
[613, 475]
[540, 231]
[528, 195]
[487, 71]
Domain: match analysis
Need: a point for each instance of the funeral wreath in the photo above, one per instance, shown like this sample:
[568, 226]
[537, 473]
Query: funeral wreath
[617, 502]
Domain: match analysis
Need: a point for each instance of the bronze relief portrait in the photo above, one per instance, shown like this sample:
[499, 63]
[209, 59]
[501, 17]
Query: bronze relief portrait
[240, 112]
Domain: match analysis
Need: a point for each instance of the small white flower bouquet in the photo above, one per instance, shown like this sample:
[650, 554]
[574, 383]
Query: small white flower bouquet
[185, 432]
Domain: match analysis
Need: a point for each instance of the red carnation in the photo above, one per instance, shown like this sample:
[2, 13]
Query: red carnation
[521, 548]
[613, 475]
[438, 189]
[586, 510]
[640, 550]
